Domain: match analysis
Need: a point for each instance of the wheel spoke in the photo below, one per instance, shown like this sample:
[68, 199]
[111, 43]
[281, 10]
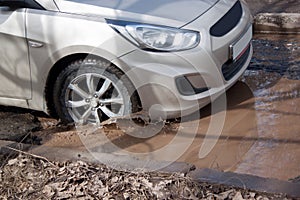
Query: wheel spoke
[108, 112]
[103, 88]
[96, 115]
[85, 115]
[76, 104]
[90, 83]
[112, 100]
[78, 90]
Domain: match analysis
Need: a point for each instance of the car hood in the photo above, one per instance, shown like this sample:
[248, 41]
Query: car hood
[165, 12]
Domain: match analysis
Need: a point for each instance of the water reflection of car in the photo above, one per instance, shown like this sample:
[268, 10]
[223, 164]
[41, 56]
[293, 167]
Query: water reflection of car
[84, 60]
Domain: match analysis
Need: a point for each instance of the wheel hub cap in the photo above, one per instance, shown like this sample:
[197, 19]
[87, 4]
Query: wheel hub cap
[94, 103]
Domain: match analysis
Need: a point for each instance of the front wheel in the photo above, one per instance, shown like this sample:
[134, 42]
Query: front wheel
[91, 91]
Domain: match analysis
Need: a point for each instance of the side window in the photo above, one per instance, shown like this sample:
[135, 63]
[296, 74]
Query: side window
[33, 4]
[14, 4]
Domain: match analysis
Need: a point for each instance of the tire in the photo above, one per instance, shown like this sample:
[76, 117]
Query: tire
[91, 91]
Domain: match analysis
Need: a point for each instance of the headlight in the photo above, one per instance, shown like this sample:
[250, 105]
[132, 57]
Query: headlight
[159, 38]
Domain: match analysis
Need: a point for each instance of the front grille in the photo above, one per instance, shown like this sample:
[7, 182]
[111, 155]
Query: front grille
[231, 68]
[228, 21]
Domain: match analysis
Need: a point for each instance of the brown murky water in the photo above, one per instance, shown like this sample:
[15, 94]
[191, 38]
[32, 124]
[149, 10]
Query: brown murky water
[261, 129]
[274, 78]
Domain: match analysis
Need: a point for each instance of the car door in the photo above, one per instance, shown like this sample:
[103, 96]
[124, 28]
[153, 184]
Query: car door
[14, 62]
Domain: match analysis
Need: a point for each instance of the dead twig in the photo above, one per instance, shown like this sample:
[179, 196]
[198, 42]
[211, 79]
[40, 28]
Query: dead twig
[32, 155]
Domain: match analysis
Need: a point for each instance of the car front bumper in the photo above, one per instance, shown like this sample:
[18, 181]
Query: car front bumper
[176, 84]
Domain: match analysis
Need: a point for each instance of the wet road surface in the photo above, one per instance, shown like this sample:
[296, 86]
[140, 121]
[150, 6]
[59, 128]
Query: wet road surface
[261, 129]
[274, 78]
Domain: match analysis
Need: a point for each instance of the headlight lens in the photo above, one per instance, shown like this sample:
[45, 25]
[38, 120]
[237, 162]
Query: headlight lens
[157, 38]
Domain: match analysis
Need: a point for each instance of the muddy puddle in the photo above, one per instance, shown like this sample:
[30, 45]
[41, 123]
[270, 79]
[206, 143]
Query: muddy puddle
[274, 78]
[257, 133]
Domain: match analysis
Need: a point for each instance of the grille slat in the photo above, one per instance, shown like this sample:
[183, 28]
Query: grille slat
[228, 21]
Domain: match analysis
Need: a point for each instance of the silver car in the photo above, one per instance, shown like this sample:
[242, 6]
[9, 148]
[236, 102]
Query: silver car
[87, 60]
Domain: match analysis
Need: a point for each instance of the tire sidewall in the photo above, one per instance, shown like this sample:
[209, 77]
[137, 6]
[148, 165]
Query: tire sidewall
[103, 69]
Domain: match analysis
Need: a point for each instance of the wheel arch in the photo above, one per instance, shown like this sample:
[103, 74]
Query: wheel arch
[59, 66]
